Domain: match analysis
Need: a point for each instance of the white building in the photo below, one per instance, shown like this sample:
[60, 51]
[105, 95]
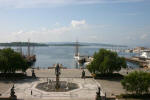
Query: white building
[145, 54]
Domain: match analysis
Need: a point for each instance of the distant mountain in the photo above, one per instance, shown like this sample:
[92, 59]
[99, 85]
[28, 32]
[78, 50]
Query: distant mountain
[81, 44]
[22, 44]
[64, 44]
[58, 44]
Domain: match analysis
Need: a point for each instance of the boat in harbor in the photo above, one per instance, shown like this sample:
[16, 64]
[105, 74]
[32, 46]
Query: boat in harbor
[82, 59]
[145, 54]
[30, 56]
[77, 55]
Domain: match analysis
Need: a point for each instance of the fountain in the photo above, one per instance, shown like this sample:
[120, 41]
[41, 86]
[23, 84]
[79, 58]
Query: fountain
[57, 86]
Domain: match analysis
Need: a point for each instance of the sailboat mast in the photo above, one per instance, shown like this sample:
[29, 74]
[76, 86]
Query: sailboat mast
[21, 50]
[29, 48]
[77, 49]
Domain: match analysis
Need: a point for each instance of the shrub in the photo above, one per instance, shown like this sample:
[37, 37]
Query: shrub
[106, 61]
[11, 61]
[137, 82]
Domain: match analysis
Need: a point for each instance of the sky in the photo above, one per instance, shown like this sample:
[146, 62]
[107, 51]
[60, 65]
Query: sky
[123, 22]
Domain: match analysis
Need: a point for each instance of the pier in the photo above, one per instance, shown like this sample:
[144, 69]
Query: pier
[138, 60]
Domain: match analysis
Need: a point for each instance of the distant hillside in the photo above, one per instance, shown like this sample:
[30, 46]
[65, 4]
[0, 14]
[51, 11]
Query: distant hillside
[65, 44]
[58, 44]
[81, 44]
[22, 44]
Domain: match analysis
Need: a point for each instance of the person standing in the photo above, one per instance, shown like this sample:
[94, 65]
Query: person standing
[83, 74]
[31, 92]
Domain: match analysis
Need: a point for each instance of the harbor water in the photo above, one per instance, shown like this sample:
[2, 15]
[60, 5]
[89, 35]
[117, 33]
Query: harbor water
[49, 55]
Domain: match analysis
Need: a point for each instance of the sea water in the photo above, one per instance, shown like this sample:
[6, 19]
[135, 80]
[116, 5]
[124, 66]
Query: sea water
[47, 56]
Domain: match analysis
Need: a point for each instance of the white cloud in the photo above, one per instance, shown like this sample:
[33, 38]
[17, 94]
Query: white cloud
[19, 32]
[144, 36]
[51, 3]
[83, 31]
[62, 33]
[76, 23]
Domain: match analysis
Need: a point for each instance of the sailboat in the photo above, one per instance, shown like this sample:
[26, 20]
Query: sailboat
[77, 55]
[31, 58]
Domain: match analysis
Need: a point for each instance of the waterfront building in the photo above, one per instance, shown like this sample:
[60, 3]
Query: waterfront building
[139, 49]
[145, 54]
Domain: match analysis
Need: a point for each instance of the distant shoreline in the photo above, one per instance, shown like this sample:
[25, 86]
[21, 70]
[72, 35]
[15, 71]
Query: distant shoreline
[24, 44]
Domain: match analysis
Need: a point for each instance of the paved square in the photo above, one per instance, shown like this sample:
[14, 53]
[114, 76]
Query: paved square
[86, 91]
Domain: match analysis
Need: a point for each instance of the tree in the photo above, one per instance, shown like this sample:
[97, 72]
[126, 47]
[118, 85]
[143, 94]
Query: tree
[3, 62]
[11, 61]
[137, 82]
[106, 61]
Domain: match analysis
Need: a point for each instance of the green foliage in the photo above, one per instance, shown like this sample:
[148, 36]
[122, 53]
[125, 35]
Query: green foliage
[11, 61]
[137, 82]
[106, 61]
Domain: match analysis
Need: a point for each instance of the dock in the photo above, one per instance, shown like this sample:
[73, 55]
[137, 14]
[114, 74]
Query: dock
[138, 60]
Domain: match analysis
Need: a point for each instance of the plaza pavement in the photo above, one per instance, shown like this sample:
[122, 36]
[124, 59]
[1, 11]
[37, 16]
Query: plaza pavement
[86, 91]
[66, 73]
[89, 86]
[113, 87]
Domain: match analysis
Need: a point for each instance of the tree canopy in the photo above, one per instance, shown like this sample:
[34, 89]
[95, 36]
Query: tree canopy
[11, 61]
[106, 61]
[137, 82]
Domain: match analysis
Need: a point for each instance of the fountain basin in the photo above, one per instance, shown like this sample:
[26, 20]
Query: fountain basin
[51, 87]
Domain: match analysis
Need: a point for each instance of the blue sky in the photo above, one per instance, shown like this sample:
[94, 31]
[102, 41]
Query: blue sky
[124, 22]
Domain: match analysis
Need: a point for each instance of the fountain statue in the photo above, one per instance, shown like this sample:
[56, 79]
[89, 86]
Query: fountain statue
[57, 86]
[12, 94]
[98, 94]
[33, 73]
[83, 74]
[57, 72]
